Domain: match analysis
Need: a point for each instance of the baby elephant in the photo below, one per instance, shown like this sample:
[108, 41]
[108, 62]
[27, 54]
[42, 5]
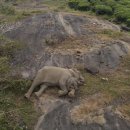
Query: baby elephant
[67, 79]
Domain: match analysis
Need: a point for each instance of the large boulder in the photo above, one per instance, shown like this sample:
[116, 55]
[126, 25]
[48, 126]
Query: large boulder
[57, 116]
[41, 35]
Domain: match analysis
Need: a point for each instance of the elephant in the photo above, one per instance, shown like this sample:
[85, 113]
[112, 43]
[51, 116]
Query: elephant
[67, 79]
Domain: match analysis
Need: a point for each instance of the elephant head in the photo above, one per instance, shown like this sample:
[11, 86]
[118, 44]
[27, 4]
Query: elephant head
[77, 75]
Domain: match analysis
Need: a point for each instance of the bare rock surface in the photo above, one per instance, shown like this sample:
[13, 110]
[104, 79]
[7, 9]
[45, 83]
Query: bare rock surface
[57, 116]
[56, 38]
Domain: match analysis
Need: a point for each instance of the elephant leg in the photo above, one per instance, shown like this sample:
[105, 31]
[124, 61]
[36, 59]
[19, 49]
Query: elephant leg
[63, 90]
[28, 94]
[72, 93]
[42, 89]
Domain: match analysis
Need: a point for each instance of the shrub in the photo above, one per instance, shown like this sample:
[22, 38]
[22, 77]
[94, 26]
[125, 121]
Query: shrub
[111, 3]
[102, 9]
[128, 22]
[6, 9]
[73, 4]
[122, 16]
[84, 6]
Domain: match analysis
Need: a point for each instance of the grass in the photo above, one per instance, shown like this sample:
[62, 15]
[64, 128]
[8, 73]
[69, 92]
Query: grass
[8, 12]
[117, 85]
[8, 47]
[15, 110]
[98, 93]
[125, 109]
[85, 111]
[56, 3]
[111, 33]
[4, 65]
[16, 113]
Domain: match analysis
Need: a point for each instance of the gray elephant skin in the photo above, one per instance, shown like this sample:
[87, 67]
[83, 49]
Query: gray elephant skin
[68, 80]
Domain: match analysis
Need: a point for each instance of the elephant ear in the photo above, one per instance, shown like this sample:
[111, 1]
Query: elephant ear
[72, 72]
[77, 73]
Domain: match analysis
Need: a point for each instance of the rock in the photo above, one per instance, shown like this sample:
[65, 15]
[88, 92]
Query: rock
[40, 35]
[57, 117]
[104, 79]
[125, 28]
[106, 58]
[92, 70]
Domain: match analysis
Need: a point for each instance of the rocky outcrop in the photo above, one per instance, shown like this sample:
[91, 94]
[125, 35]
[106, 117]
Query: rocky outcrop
[40, 32]
[40, 37]
[59, 118]
[98, 60]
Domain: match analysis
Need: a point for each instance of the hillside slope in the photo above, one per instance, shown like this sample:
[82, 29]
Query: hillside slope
[38, 33]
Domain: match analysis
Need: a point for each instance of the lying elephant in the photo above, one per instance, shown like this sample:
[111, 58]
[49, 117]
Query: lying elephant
[67, 79]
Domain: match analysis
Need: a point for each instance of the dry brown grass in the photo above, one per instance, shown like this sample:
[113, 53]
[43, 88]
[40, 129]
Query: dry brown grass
[124, 111]
[91, 109]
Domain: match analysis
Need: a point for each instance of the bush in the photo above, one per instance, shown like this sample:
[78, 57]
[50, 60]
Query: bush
[102, 9]
[111, 3]
[73, 4]
[122, 16]
[84, 6]
[128, 22]
[117, 9]
[6, 9]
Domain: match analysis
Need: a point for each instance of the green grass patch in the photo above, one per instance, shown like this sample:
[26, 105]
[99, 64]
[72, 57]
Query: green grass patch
[6, 9]
[118, 84]
[4, 65]
[8, 47]
[111, 33]
[16, 113]
[56, 5]
[17, 86]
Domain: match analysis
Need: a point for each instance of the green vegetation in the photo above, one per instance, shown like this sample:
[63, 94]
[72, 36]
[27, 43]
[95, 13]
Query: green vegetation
[15, 111]
[4, 65]
[56, 5]
[116, 86]
[8, 47]
[111, 33]
[6, 9]
[9, 12]
[103, 9]
[128, 22]
[116, 10]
